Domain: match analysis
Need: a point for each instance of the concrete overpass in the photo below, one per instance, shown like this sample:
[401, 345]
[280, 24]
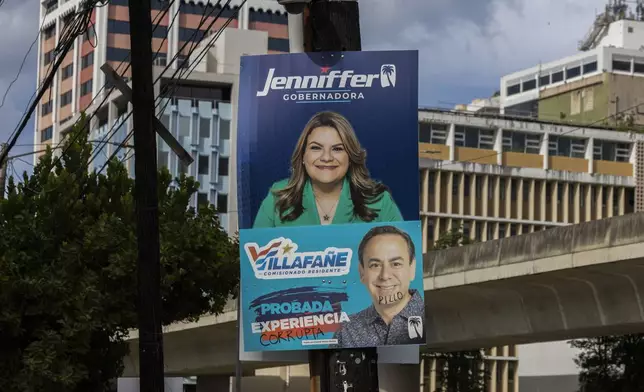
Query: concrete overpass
[561, 283]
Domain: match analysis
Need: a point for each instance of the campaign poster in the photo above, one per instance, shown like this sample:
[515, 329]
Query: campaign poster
[328, 199]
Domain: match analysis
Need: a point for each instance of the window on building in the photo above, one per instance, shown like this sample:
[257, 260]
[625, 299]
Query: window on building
[515, 141]
[50, 6]
[67, 72]
[65, 98]
[202, 198]
[514, 189]
[474, 137]
[433, 133]
[544, 80]
[90, 34]
[49, 32]
[191, 35]
[456, 179]
[590, 67]
[466, 187]
[490, 231]
[223, 166]
[557, 77]
[501, 230]
[278, 44]
[514, 89]
[46, 108]
[529, 84]
[222, 203]
[502, 188]
[183, 168]
[204, 162]
[466, 229]
[46, 134]
[204, 127]
[621, 65]
[224, 129]
[573, 72]
[566, 146]
[160, 59]
[48, 57]
[163, 158]
[86, 88]
[182, 61]
[184, 126]
[638, 68]
[526, 190]
[87, 60]
[604, 150]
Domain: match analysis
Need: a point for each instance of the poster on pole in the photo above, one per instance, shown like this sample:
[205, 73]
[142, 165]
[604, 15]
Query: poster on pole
[328, 197]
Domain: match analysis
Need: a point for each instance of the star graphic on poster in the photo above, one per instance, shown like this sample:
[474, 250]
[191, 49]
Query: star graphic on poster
[325, 69]
[287, 248]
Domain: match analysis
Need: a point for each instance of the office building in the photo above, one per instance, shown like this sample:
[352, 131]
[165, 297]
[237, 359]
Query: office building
[601, 84]
[198, 105]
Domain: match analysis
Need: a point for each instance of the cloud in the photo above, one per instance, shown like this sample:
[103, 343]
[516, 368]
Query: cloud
[18, 29]
[468, 45]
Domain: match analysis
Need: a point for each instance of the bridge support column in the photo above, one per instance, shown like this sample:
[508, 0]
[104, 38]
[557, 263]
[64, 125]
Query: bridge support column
[398, 378]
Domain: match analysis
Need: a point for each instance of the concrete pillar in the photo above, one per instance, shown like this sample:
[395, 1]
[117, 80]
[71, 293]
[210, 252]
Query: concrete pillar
[554, 201]
[437, 230]
[610, 202]
[473, 195]
[450, 192]
[497, 196]
[484, 198]
[437, 192]
[519, 200]
[531, 200]
[432, 375]
[542, 210]
[397, 378]
[576, 203]
[425, 190]
[508, 198]
[213, 383]
[621, 200]
[599, 197]
[589, 195]
[461, 194]
[565, 200]
[425, 219]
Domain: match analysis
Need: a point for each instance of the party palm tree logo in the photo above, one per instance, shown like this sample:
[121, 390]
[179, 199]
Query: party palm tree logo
[415, 327]
[388, 75]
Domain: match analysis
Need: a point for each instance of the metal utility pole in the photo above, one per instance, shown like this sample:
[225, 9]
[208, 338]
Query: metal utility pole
[332, 26]
[3, 170]
[145, 169]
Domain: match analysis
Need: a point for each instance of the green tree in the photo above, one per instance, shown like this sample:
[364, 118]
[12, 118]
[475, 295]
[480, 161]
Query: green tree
[458, 371]
[68, 259]
[610, 363]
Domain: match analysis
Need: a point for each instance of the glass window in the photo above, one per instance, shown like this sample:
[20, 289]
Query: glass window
[433, 133]
[620, 65]
[222, 203]
[204, 161]
[87, 60]
[223, 166]
[224, 129]
[202, 198]
[514, 89]
[604, 150]
[204, 127]
[184, 126]
[529, 85]
[46, 134]
[566, 146]
[573, 72]
[557, 77]
[544, 80]
[590, 67]
[474, 137]
[638, 68]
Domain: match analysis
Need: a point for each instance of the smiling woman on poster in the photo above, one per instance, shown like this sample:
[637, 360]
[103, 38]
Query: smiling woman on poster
[329, 182]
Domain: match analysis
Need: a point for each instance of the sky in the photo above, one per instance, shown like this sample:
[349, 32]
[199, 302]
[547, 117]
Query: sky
[465, 46]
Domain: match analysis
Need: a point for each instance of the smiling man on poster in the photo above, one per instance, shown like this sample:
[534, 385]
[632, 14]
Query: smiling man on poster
[387, 266]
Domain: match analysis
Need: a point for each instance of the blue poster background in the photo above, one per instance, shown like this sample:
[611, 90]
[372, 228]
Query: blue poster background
[385, 121]
[346, 293]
